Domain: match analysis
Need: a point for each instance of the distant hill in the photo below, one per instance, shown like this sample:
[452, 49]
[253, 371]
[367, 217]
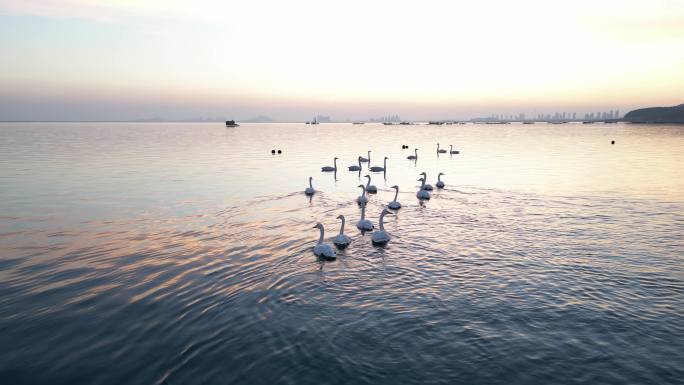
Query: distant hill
[656, 115]
[258, 119]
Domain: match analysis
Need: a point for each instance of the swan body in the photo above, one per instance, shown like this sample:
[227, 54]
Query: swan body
[310, 190]
[439, 183]
[395, 205]
[440, 150]
[362, 200]
[413, 157]
[451, 150]
[369, 187]
[380, 238]
[328, 168]
[355, 167]
[341, 240]
[323, 250]
[365, 160]
[378, 168]
[364, 224]
[422, 194]
[426, 186]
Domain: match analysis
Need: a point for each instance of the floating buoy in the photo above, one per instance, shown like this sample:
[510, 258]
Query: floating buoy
[272, 151]
[280, 152]
[612, 142]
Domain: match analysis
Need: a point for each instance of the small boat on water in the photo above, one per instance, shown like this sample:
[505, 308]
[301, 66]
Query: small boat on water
[387, 123]
[231, 123]
[358, 122]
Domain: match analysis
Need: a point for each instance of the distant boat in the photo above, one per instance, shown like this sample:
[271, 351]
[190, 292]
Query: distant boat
[231, 123]
[358, 123]
[587, 122]
[528, 122]
[387, 123]
[406, 123]
[433, 122]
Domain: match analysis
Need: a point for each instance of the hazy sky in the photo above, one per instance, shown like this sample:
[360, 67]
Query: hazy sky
[127, 59]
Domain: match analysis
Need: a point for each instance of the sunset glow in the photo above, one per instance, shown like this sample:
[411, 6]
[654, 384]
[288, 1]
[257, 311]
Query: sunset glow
[78, 59]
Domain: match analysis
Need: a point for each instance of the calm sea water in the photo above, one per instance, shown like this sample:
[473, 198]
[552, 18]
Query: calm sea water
[181, 253]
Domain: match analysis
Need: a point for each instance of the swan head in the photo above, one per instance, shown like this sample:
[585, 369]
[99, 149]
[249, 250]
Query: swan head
[423, 174]
[340, 217]
[386, 158]
[421, 179]
[310, 178]
[362, 186]
[386, 212]
[335, 158]
[441, 173]
[396, 187]
[367, 176]
[318, 226]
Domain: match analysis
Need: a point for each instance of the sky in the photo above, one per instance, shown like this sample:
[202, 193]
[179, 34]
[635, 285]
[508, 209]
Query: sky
[352, 59]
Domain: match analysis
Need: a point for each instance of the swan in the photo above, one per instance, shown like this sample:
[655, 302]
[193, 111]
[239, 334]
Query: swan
[369, 187]
[310, 190]
[413, 157]
[323, 250]
[355, 167]
[394, 205]
[364, 224]
[451, 150]
[422, 194]
[426, 186]
[364, 160]
[362, 200]
[328, 168]
[380, 238]
[341, 240]
[378, 168]
[439, 183]
[441, 151]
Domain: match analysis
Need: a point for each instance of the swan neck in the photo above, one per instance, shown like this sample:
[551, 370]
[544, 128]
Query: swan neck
[363, 212]
[320, 239]
[382, 221]
[396, 195]
[310, 183]
[368, 183]
[342, 227]
[439, 177]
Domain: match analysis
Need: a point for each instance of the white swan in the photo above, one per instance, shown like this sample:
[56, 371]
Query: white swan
[451, 150]
[422, 194]
[362, 200]
[341, 240]
[395, 205]
[310, 190]
[355, 167]
[369, 187]
[364, 160]
[323, 250]
[364, 224]
[441, 151]
[328, 168]
[426, 186]
[413, 157]
[380, 238]
[439, 183]
[378, 168]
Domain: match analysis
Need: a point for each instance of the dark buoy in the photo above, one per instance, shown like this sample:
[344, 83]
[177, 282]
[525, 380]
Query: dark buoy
[612, 142]
[272, 151]
[280, 152]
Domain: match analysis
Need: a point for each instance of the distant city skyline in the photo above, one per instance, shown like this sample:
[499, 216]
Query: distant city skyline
[127, 60]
